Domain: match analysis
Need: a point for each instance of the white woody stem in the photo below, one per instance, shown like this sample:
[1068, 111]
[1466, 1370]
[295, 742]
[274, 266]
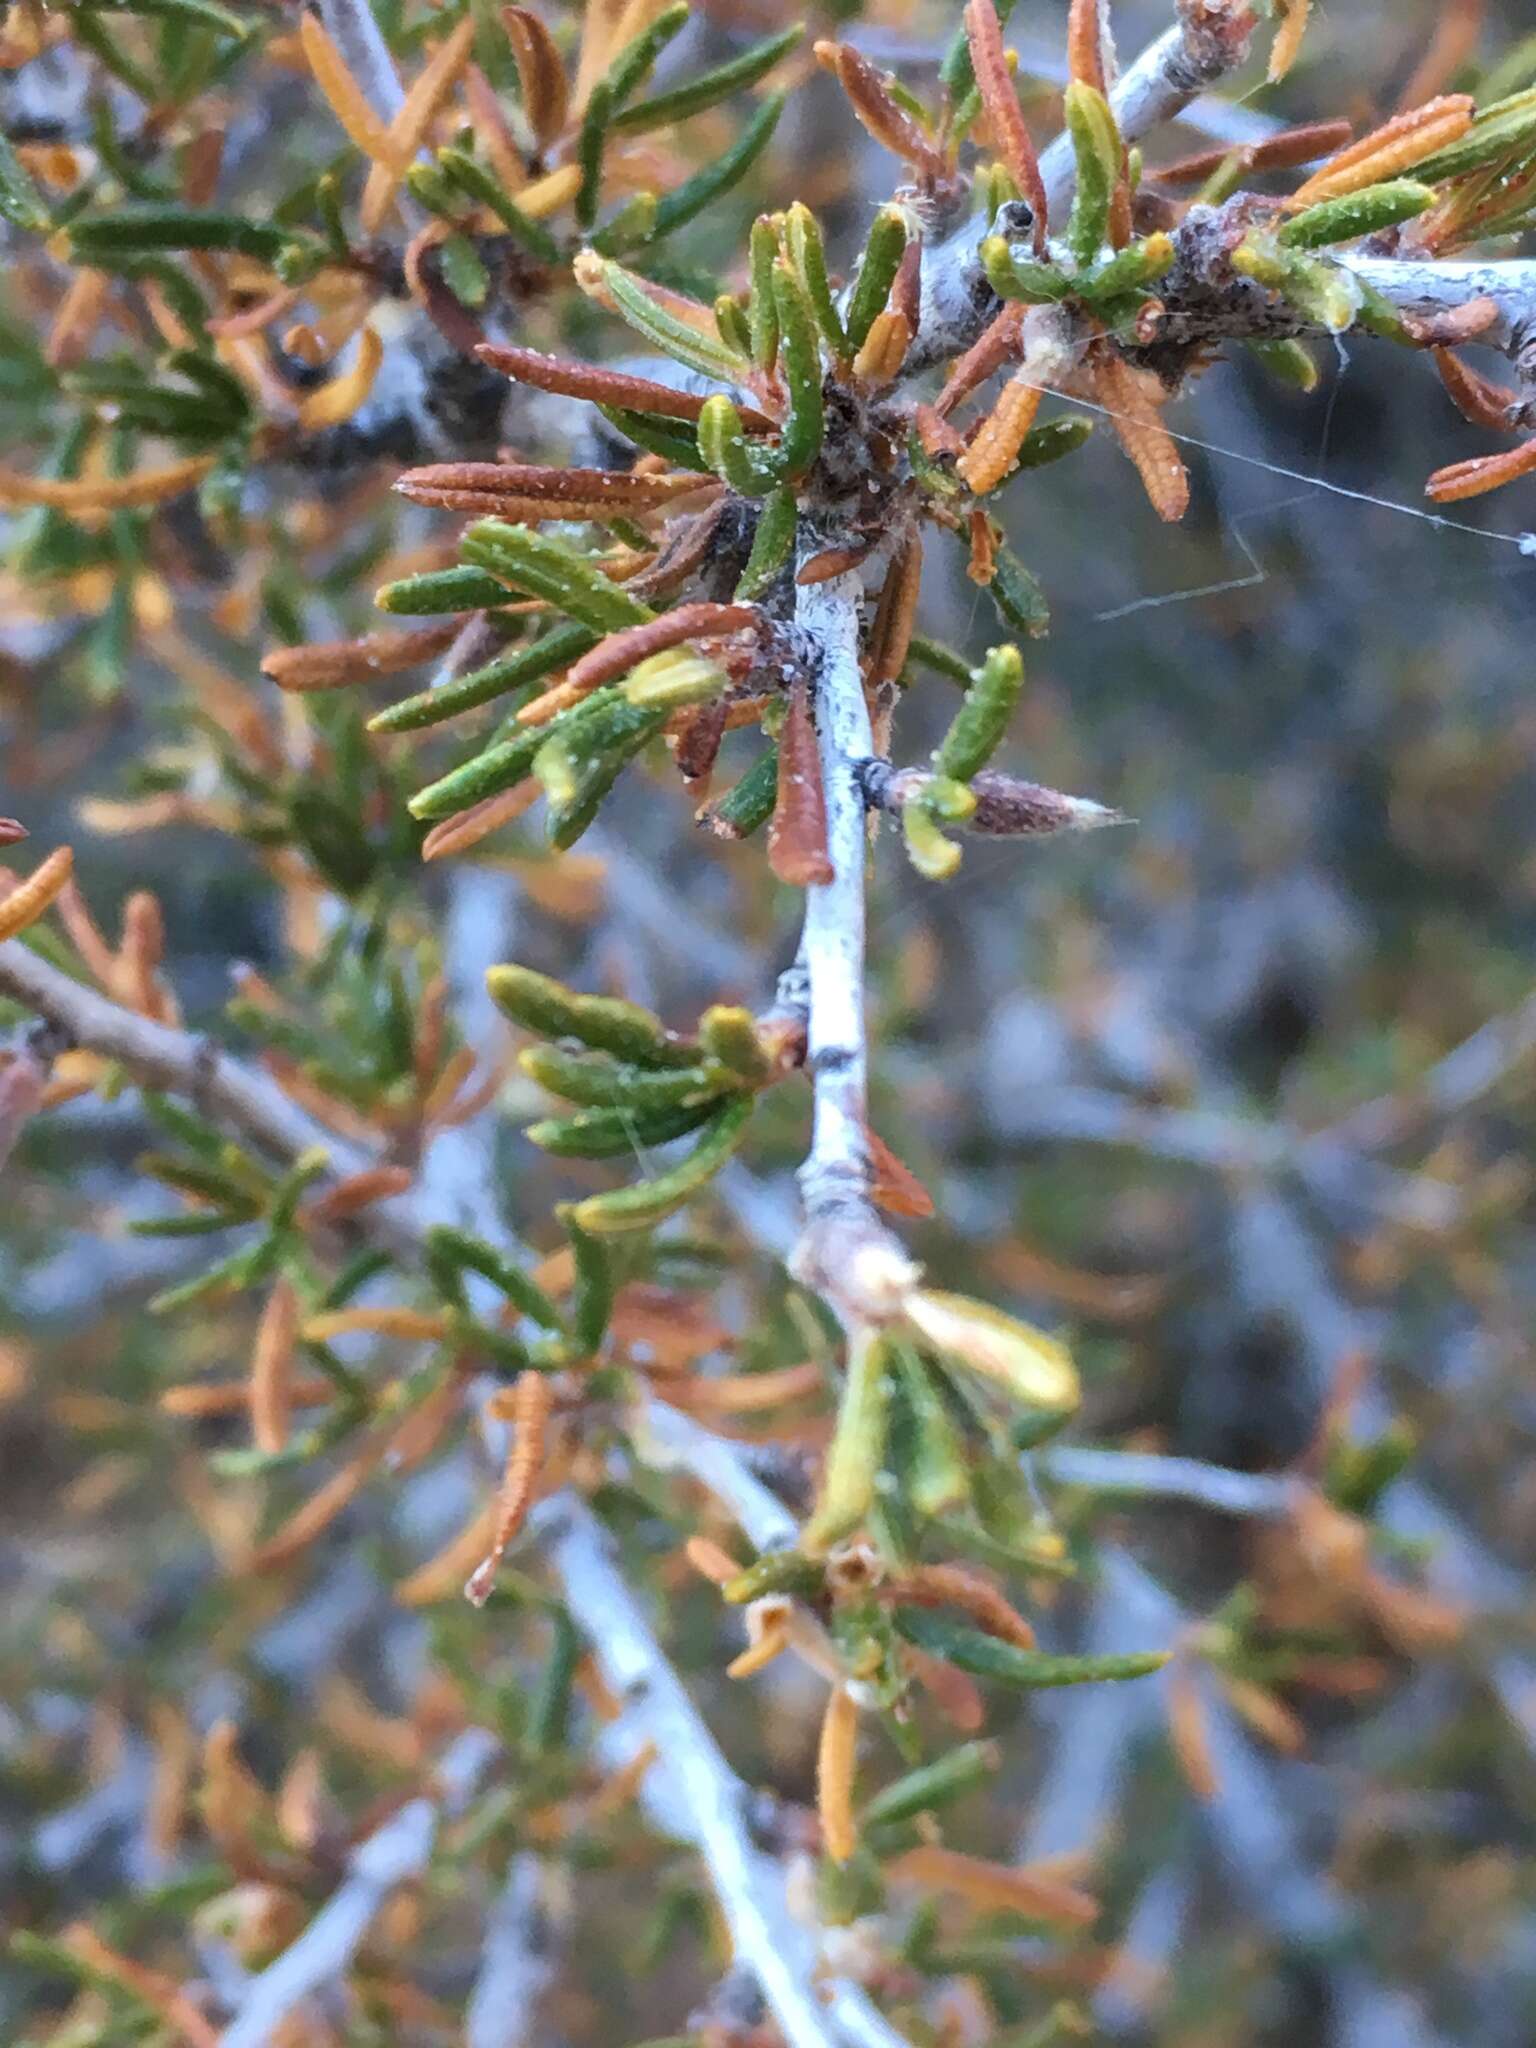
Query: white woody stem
[845, 1252]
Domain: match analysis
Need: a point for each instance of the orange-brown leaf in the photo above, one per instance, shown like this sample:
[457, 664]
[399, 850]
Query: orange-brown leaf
[104, 493]
[1470, 479]
[1189, 1734]
[982, 566]
[896, 614]
[1451, 48]
[1137, 421]
[880, 112]
[328, 665]
[836, 1755]
[491, 129]
[748, 1393]
[1087, 36]
[315, 1515]
[409, 126]
[197, 1398]
[25, 903]
[957, 1585]
[710, 1561]
[997, 344]
[832, 562]
[271, 1379]
[348, 101]
[992, 454]
[1006, 1887]
[1388, 151]
[884, 348]
[604, 386]
[894, 1187]
[1004, 116]
[1282, 152]
[467, 828]
[1477, 398]
[409, 1325]
[797, 833]
[621, 651]
[163, 1995]
[532, 1405]
[541, 73]
[333, 403]
[570, 493]
[1287, 44]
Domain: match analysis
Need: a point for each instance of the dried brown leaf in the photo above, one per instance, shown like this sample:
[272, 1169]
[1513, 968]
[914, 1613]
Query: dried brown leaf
[26, 901]
[1287, 44]
[1088, 42]
[1004, 116]
[893, 1186]
[836, 1758]
[541, 73]
[1388, 151]
[621, 651]
[797, 832]
[331, 664]
[467, 828]
[1460, 480]
[531, 1406]
[994, 451]
[1128, 397]
[604, 386]
[1477, 398]
[1010, 1888]
[881, 113]
[958, 1585]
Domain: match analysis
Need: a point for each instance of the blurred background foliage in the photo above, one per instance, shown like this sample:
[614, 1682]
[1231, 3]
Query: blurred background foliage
[1109, 1062]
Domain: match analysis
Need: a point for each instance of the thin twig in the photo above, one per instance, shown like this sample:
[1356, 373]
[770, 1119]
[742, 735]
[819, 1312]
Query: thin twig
[1432, 287]
[699, 1794]
[957, 301]
[1146, 1475]
[748, 1884]
[516, 1968]
[667, 1438]
[391, 1855]
[1167, 77]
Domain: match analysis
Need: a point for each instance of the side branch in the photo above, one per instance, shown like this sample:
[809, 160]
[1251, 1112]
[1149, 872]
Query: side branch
[1204, 298]
[1426, 287]
[163, 1058]
[747, 1880]
[698, 1795]
[394, 1854]
[1210, 38]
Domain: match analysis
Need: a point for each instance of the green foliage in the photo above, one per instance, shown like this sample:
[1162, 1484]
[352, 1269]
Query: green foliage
[246, 329]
